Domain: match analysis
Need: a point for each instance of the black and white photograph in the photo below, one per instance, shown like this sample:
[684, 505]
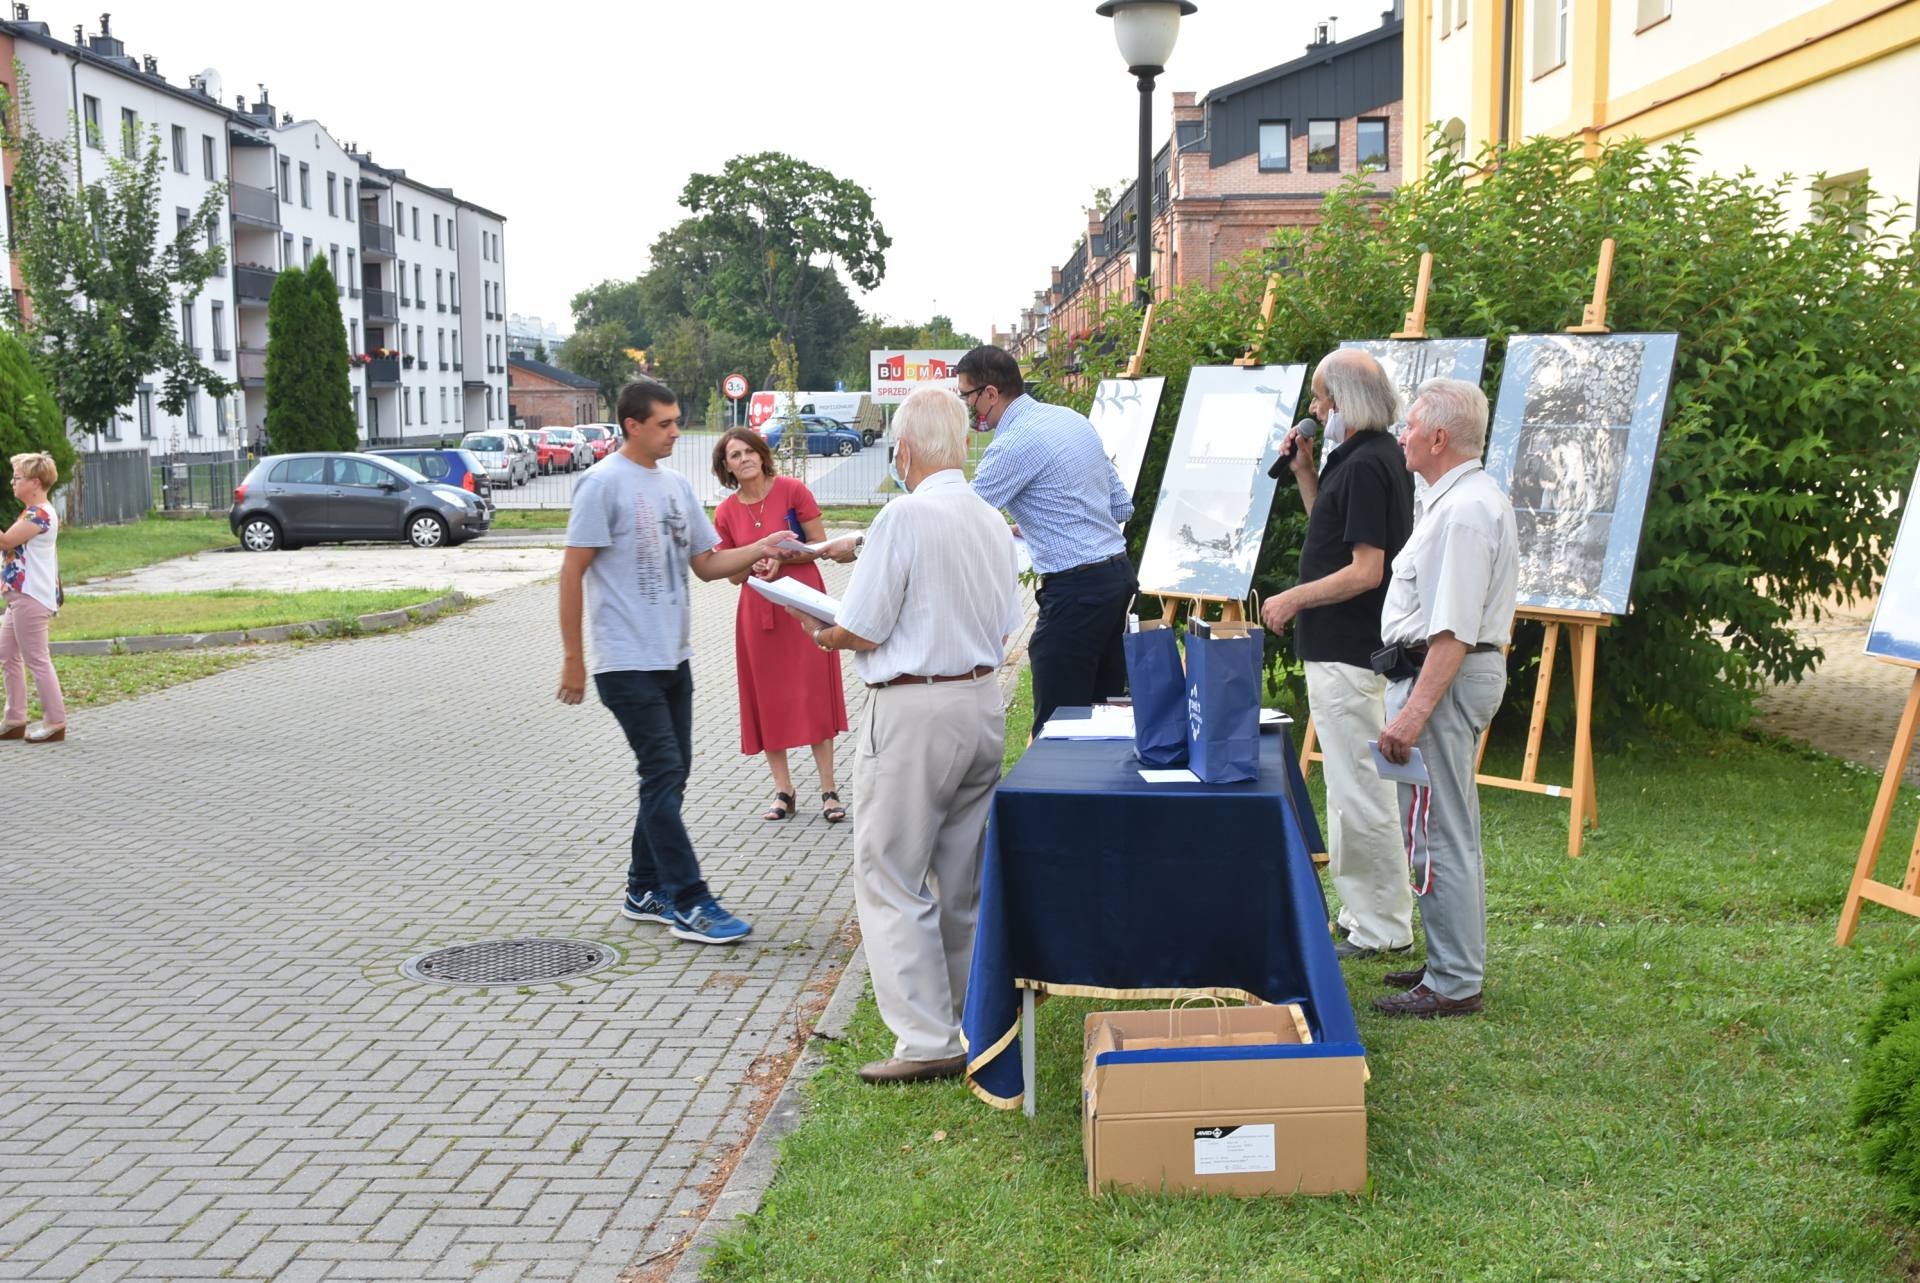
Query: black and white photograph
[1411, 362]
[1122, 413]
[1896, 620]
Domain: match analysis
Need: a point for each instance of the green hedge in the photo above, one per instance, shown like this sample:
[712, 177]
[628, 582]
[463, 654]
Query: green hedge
[1886, 1099]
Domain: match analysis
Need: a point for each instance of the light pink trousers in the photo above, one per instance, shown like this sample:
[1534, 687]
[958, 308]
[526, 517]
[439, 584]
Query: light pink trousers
[23, 649]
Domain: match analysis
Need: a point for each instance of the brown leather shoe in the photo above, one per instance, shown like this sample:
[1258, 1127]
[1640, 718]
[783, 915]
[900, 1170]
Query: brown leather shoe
[44, 734]
[13, 731]
[1404, 979]
[912, 1071]
[1424, 1002]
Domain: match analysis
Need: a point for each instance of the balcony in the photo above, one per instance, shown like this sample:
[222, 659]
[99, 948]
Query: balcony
[376, 239]
[253, 367]
[222, 354]
[353, 291]
[379, 305]
[443, 365]
[439, 307]
[254, 284]
[383, 372]
[255, 206]
[456, 309]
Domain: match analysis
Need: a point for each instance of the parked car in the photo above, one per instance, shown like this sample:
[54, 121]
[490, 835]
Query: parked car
[568, 447]
[453, 467]
[495, 451]
[824, 436]
[527, 457]
[292, 499]
[600, 437]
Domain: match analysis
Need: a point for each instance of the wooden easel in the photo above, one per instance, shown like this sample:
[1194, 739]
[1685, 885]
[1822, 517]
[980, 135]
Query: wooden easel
[1231, 611]
[1139, 360]
[1906, 896]
[1266, 319]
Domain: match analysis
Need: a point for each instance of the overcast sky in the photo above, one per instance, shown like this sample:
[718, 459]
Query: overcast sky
[981, 129]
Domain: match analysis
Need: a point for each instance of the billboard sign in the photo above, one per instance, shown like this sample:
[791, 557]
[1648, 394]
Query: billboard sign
[893, 373]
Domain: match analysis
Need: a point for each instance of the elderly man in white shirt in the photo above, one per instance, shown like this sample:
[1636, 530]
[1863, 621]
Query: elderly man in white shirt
[932, 601]
[1447, 618]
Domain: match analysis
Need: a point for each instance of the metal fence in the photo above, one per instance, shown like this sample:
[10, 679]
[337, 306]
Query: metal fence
[180, 482]
[108, 489]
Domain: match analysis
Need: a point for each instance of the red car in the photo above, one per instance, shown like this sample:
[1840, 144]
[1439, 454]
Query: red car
[602, 438]
[562, 450]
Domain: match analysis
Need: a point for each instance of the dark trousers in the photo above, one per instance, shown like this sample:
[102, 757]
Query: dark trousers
[655, 709]
[1076, 654]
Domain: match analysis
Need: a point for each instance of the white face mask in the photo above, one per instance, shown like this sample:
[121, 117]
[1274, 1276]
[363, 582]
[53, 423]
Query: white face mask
[1336, 429]
[893, 467]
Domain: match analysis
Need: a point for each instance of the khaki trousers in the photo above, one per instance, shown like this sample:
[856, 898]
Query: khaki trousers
[1366, 851]
[926, 765]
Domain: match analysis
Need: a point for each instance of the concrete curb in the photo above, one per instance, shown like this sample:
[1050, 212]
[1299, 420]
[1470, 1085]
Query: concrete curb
[377, 621]
[753, 1174]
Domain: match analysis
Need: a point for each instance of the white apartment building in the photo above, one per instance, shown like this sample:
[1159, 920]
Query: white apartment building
[398, 249]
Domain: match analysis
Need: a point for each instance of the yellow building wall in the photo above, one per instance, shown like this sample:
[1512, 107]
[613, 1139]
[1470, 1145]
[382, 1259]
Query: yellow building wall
[1696, 27]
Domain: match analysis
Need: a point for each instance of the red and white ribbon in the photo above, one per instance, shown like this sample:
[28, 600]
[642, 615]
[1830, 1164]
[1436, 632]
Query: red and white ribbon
[1419, 848]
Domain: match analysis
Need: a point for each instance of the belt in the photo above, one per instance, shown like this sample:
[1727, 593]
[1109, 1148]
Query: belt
[1091, 565]
[1419, 652]
[915, 679]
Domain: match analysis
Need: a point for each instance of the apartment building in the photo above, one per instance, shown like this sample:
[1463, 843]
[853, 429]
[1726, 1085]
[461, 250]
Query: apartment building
[1776, 86]
[393, 243]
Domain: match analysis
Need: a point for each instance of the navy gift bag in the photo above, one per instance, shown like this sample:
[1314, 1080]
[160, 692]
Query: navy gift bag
[1159, 688]
[1223, 701]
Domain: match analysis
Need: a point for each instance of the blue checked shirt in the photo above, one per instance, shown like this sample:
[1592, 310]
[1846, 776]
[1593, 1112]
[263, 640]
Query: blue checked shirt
[1047, 468]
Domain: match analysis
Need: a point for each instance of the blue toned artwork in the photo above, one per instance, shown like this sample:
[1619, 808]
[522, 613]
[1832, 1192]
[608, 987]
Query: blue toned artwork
[1122, 413]
[1574, 437]
[1411, 362]
[1896, 620]
[1215, 493]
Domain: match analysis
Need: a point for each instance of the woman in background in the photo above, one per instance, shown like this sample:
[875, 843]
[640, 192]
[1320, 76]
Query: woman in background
[30, 582]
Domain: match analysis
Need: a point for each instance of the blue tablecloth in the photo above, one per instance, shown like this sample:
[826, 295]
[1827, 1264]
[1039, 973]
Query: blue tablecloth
[1097, 883]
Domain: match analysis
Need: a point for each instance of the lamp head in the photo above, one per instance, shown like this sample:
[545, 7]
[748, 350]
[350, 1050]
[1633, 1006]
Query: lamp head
[1146, 29]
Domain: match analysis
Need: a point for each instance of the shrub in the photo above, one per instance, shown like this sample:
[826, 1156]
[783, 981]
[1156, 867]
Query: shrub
[1793, 386]
[1901, 1004]
[30, 418]
[1886, 1101]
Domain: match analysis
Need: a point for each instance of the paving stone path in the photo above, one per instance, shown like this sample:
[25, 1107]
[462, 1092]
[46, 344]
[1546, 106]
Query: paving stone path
[1850, 705]
[210, 1063]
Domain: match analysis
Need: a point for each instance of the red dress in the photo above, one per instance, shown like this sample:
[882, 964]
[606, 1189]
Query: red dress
[790, 693]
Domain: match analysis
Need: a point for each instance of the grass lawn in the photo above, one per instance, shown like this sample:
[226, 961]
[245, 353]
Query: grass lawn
[87, 552]
[86, 618]
[87, 681]
[556, 518]
[1657, 1091]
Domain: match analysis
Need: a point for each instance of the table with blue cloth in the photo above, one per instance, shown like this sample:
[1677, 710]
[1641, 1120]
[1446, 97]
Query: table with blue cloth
[1096, 883]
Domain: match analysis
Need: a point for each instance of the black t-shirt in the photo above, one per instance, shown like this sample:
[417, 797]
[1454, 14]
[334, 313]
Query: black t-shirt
[1366, 496]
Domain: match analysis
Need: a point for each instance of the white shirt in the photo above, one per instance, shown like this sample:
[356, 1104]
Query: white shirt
[935, 584]
[1460, 570]
[33, 569]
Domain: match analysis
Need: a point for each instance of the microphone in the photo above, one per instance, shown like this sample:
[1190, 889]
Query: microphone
[1282, 469]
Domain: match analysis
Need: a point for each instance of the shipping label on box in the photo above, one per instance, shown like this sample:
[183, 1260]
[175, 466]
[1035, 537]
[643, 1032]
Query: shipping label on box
[1244, 1148]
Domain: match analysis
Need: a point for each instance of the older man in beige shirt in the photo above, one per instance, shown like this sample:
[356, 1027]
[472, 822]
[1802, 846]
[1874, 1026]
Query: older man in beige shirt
[932, 601]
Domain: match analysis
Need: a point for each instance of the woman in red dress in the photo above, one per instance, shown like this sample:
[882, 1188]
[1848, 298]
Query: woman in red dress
[790, 690]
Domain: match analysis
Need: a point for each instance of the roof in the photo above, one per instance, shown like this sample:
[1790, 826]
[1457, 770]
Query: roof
[1315, 56]
[553, 372]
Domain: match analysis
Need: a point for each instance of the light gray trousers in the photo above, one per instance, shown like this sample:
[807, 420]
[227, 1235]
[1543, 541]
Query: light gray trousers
[926, 766]
[1447, 830]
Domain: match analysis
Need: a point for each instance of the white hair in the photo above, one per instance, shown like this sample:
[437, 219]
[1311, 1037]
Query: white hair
[1359, 389]
[933, 421]
[1458, 406]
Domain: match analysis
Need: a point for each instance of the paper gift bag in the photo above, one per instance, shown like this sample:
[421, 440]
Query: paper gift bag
[1159, 687]
[1223, 701]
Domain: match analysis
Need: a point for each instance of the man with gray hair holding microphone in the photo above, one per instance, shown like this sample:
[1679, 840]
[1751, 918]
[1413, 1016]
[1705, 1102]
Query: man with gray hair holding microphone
[933, 598]
[1359, 510]
[1448, 616]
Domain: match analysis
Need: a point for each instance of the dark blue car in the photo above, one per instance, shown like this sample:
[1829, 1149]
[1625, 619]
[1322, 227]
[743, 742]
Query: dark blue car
[449, 467]
[824, 436]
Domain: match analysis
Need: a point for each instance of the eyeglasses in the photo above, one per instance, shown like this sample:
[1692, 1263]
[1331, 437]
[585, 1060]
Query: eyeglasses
[971, 393]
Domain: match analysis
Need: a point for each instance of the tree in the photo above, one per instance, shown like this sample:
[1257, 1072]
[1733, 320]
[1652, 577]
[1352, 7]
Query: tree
[30, 418]
[331, 388]
[293, 360]
[1794, 387]
[614, 302]
[599, 352]
[105, 288]
[540, 351]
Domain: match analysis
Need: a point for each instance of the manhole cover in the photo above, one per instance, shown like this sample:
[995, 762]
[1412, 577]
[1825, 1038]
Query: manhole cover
[530, 960]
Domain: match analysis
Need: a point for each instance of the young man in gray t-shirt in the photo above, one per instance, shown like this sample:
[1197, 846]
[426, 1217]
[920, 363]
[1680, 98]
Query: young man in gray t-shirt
[635, 531]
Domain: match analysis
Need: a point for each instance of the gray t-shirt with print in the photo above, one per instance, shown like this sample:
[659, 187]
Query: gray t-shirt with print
[649, 524]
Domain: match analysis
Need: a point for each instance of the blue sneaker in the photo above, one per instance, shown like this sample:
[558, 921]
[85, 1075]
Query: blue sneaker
[648, 908]
[708, 923]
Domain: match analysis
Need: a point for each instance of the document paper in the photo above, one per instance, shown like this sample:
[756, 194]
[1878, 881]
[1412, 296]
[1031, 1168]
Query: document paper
[802, 597]
[1414, 772]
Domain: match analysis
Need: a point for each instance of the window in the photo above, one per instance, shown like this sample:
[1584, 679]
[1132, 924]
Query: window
[436, 229]
[399, 218]
[443, 405]
[213, 242]
[193, 413]
[286, 249]
[403, 282]
[333, 196]
[419, 295]
[219, 331]
[286, 181]
[129, 133]
[90, 110]
[1460, 12]
[186, 327]
[439, 289]
[306, 251]
[356, 405]
[299, 472]
[181, 217]
[207, 165]
[353, 278]
[1323, 146]
[333, 264]
[113, 428]
[406, 407]
[403, 340]
[423, 405]
[420, 346]
[1372, 150]
[1552, 20]
[1446, 18]
[416, 236]
[353, 334]
[1651, 13]
[1274, 154]
[453, 288]
[359, 472]
[443, 347]
[347, 186]
[220, 416]
[306, 186]
[1841, 198]
[179, 149]
[145, 411]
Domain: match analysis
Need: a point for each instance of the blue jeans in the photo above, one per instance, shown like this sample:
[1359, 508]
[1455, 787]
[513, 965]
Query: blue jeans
[1076, 652]
[655, 709]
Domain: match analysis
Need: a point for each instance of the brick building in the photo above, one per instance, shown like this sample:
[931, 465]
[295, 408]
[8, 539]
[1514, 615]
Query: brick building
[1246, 158]
[545, 396]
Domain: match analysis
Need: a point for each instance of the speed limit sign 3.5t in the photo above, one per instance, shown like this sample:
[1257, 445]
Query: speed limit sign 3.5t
[735, 386]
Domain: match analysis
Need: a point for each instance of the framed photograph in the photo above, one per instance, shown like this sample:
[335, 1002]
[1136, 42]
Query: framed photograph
[1895, 633]
[1575, 433]
[1122, 414]
[1215, 493]
[1411, 362]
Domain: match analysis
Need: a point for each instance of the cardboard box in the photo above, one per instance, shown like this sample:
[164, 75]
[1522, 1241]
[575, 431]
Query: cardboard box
[1233, 1100]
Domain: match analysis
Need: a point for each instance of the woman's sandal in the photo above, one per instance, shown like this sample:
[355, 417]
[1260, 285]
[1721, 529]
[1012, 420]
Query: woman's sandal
[834, 812]
[782, 809]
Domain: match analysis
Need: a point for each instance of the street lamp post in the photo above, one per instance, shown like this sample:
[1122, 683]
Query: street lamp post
[1146, 31]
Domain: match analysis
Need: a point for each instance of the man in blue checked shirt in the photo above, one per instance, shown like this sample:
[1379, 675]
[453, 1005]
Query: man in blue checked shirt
[1048, 469]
